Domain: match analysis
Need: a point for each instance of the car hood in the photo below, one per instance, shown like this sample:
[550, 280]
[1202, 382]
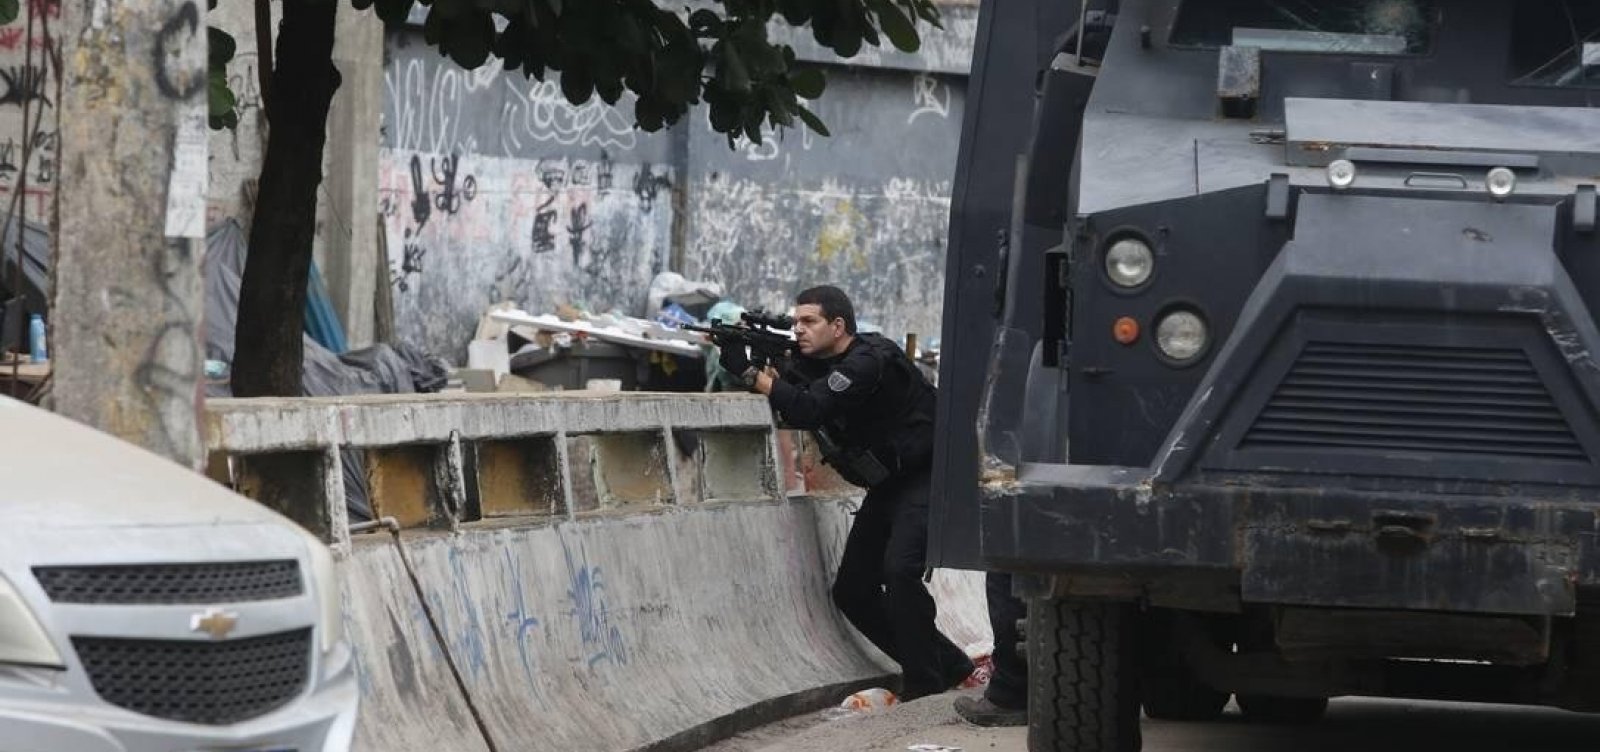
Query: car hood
[69, 476]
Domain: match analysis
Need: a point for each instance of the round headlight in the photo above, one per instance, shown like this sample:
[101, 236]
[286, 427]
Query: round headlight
[1129, 262]
[1182, 335]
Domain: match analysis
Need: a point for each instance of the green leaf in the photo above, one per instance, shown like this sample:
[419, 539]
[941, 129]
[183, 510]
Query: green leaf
[9, 10]
[435, 31]
[220, 46]
[576, 84]
[394, 12]
[470, 39]
[724, 112]
[753, 115]
[897, 27]
[220, 101]
[779, 109]
[508, 46]
[761, 58]
[705, 21]
[811, 120]
[846, 39]
[734, 74]
[609, 89]
[808, 82]
[796, 12]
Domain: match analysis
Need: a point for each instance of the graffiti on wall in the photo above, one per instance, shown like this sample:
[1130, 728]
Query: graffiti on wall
[30, 74]
[494, 188]
[434, 106]
[868, 209]
[570, 204]
[884, 244]
[465, 232]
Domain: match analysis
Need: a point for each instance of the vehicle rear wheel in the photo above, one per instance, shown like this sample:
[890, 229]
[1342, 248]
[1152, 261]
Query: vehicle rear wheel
[1170, 689]
[1084, 676]
[1284, 711]
[1179, 696]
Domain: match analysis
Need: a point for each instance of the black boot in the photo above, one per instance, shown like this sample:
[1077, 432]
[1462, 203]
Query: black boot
[979, 711]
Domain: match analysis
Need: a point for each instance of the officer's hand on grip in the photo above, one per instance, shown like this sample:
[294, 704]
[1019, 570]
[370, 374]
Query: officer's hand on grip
[734, 359]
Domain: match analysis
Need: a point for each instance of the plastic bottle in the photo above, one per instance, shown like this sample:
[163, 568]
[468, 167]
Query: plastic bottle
[38, 349]
[870, 699]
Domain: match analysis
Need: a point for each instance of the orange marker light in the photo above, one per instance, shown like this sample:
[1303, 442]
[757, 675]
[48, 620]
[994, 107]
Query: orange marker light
[1126, 330]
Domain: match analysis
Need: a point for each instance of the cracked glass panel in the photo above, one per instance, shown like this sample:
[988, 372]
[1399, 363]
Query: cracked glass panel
[1556, 43]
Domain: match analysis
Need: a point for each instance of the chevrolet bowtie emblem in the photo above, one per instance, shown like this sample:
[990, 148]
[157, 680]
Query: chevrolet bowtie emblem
[214, 622]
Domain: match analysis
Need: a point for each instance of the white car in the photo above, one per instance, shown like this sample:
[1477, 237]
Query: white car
[144, 608]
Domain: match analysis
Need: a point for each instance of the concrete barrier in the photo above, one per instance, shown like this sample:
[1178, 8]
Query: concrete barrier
[575, 571]
[409, 701]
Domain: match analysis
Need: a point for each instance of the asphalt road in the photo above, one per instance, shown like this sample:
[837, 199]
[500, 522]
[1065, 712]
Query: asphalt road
[1355, 725]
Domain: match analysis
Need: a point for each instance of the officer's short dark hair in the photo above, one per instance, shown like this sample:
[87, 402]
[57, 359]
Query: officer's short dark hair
[833, 302]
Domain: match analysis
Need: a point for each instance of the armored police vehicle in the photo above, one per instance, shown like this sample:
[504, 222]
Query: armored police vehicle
[1288, 384]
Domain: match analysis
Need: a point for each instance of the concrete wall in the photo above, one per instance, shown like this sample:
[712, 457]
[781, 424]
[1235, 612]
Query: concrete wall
[629, 571]
[493, 188]
[235, 155]
[867, 209]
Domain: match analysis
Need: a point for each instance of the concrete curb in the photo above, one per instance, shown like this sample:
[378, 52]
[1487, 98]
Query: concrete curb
[761, 714]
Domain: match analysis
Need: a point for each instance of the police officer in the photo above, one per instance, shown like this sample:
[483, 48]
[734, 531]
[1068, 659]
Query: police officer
[872, 412]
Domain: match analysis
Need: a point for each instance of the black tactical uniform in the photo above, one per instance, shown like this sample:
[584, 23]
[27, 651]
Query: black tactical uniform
[877, 410]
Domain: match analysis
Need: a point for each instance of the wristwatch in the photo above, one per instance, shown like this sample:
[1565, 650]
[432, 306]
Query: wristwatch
[749, 376]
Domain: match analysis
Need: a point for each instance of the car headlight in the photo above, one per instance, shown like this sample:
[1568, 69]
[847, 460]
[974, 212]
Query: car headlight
[1129, 262]
[22, 637]
[327, 585]
[1182, 335]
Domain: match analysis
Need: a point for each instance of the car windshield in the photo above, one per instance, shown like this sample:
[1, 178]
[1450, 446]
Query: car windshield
[1556, 43]
[1366, 27]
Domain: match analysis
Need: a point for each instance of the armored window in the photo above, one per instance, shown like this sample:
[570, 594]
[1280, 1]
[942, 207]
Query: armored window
[1351, 27]
[1556, 43]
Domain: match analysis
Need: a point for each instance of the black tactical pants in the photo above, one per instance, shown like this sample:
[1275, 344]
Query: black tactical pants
[1008, 685]
[879, 587]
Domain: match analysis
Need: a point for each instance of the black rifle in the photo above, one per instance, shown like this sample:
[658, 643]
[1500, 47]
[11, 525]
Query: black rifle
[758, 331]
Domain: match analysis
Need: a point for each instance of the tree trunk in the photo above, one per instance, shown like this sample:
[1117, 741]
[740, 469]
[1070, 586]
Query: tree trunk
[268, 350]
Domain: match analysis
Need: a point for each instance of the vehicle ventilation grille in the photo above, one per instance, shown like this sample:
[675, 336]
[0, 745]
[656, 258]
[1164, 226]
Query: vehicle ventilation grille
[198, 584]
[1426, 399]
[199, 681]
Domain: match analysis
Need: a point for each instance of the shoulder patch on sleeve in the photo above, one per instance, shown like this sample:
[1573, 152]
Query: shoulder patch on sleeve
[838, 382]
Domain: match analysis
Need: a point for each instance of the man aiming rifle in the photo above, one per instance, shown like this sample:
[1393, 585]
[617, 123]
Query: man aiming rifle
[872, 412]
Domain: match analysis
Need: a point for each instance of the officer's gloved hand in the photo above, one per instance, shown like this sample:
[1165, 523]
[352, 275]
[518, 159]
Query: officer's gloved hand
[734, 359]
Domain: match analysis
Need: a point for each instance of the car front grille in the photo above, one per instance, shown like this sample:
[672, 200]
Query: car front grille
[203, 682]
[165, 584]
[1429, 399]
